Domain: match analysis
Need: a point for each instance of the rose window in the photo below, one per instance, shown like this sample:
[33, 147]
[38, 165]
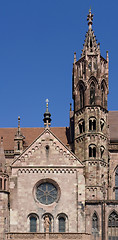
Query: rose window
[46, 193]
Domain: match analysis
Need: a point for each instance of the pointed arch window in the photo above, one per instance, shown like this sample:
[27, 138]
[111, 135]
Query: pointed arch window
[81, 89]
[116, 184]
[113, 226]
[102, 95]
[92, 93]
[95, 224]
[33, 224]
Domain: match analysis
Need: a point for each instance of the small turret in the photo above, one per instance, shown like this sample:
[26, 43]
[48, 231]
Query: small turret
[47, 115]
[18, 140]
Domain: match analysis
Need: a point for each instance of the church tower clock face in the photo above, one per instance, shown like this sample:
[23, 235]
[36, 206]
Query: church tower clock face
[46, 193]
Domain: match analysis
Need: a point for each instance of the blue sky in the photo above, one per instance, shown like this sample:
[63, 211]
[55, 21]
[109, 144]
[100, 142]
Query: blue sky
[37, 43]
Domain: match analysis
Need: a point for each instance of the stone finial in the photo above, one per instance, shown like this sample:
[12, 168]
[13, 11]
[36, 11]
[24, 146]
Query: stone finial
[2, 157]
[90, 19]
[47, 115]
[107, 56]
[18, 124]
[75, 57]
[70, 106]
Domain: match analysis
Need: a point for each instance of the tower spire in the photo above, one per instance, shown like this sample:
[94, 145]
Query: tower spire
[47, 115]
[90, 19]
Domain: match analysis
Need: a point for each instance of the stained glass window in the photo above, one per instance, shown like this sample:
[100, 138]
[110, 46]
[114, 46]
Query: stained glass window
[46, 193]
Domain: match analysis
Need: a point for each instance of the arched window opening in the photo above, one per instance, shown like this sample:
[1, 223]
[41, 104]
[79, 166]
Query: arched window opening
[101, 151]
[92, 93]
[95, 224]
[81, 89]
[92, 124]
[101, 124]
[92, 151]
[18, 144]
[91, 43]
[113, 226]
[116, 184]
[33, 224]
[62, 224]
[0, 183]
[5, 184]
[81, 126]
[102, 95]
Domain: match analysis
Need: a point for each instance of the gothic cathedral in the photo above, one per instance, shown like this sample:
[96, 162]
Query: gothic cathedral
[62, 182]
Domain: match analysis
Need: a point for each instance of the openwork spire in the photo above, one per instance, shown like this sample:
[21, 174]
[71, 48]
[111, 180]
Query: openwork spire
[47, 115]
[90, 45]
[90, 19]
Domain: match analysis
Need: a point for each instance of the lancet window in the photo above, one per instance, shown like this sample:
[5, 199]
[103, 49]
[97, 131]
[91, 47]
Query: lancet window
[81, 89]
[102, 95]
[95, 224]
[92, 93]
[113, 226]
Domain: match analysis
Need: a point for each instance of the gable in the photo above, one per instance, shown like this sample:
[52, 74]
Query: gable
[47, 150]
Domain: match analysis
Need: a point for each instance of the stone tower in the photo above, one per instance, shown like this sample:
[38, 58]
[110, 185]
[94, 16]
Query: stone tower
[4, 194]
[90, 90]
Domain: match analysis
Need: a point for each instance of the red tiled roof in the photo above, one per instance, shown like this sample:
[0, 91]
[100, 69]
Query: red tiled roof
[113, 125]
[61, 132]
[30, 135]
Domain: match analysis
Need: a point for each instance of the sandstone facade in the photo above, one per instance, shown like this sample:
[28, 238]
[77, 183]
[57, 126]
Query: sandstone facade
[62, 183]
